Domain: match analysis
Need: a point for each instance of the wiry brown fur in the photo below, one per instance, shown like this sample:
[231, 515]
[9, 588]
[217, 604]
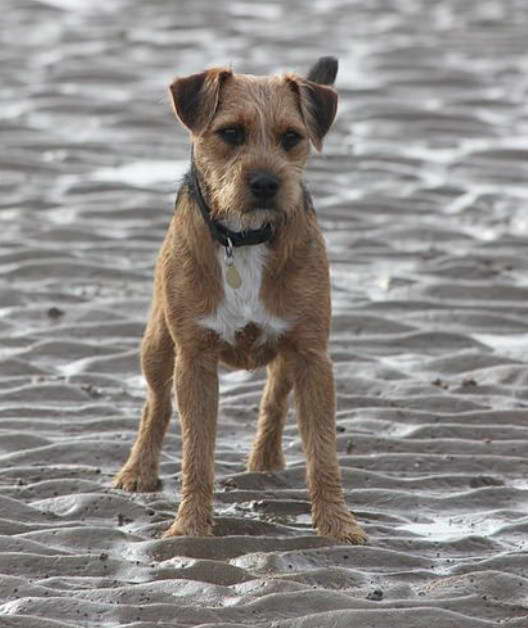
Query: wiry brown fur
[178, 352]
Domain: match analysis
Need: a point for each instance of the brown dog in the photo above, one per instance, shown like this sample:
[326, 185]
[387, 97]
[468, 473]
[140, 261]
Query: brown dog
[242, 278]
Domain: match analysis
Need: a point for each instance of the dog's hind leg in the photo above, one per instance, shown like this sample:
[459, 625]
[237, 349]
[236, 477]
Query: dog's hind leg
[140, 472]
[266, 453]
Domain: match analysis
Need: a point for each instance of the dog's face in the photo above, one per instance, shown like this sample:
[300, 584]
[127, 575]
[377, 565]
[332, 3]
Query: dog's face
[251, 139]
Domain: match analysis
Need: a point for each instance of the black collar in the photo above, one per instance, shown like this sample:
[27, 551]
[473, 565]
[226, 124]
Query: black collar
[222, 234]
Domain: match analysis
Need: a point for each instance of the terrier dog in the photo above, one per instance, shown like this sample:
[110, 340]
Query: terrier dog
[242, 279]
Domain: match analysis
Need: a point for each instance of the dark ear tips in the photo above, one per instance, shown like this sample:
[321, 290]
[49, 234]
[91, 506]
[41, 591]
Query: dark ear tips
[324, 71]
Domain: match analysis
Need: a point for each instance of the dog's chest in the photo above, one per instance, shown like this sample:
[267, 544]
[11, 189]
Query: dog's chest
[243, 305]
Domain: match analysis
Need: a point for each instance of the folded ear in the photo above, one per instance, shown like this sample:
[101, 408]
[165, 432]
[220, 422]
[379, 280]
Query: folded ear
[318, 106]
[195, 97]
[324, 71]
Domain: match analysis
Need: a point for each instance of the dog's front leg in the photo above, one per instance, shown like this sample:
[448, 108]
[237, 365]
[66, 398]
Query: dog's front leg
[315, 399]
[196, 384]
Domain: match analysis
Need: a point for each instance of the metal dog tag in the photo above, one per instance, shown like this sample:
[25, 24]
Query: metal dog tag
[233, 277]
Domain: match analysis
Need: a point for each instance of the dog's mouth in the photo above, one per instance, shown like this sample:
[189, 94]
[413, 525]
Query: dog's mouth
[259, 209]
[259, 216]
[252, 218]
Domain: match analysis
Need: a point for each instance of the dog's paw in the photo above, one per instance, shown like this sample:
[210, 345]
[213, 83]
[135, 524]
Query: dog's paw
[194, 518]
[342, 527]
[184, 527]
[352, 533]
[136, 479]
[258, 464]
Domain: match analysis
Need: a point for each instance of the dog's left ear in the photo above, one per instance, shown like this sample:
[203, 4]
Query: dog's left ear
[316, 99]
[324, 71]
[318, 106]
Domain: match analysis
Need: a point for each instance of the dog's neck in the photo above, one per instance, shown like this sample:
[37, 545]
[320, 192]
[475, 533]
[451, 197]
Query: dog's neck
[219, 231]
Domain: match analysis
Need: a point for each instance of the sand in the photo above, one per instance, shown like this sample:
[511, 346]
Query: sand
[422, 193]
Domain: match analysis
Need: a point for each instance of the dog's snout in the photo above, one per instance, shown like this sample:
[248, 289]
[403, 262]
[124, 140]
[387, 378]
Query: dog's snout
[263, 185]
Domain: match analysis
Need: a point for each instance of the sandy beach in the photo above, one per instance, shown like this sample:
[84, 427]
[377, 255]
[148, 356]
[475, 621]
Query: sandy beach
[422, 193]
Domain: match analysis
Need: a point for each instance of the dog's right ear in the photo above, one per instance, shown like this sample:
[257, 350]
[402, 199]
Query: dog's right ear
[195, 97]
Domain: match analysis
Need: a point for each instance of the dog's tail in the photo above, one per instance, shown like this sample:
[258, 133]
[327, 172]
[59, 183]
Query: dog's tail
[324, 71]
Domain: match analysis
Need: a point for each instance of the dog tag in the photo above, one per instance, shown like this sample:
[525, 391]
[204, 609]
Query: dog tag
[233, 277]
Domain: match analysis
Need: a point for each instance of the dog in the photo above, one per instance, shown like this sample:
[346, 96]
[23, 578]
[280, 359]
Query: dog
[242, 279]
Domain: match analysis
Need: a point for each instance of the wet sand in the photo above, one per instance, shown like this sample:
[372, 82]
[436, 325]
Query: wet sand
[422, 193]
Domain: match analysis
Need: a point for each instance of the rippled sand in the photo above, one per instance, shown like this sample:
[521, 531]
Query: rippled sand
[423, 196]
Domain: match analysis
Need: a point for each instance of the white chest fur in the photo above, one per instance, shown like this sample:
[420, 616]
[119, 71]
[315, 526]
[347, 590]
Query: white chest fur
[243, 305]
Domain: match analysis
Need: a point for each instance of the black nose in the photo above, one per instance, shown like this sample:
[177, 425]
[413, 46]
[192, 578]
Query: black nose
[263, 185]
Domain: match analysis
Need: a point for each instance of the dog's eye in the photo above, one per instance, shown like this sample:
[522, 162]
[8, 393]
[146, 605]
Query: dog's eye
[233, 135]
[290, 139]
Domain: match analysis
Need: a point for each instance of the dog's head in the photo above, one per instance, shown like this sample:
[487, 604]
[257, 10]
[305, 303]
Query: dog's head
[251, 137]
